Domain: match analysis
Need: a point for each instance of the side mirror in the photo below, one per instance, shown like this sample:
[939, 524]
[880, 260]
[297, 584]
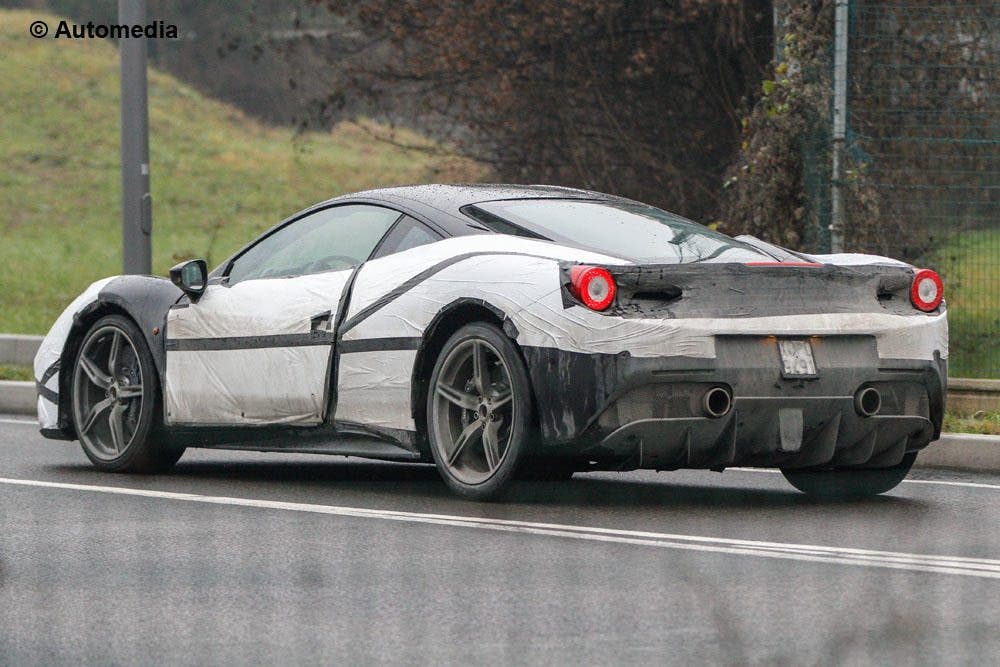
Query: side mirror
[191, 276]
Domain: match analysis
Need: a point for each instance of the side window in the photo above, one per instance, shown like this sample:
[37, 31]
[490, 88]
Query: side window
[408, 233]
[330, 239]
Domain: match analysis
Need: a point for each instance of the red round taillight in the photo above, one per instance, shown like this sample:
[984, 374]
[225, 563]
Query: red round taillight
[927, 290]
[593, 285]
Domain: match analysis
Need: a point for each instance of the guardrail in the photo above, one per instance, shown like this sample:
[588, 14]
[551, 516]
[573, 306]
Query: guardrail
[968, 396]
[18, 349]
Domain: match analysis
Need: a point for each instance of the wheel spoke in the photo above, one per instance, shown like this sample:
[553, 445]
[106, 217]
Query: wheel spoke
[116, 422]
[501, 398]
[480, 371]
[491, 443]
[95, 374]
[116, 346]
[458, 397]
[94, 413]
[130, 391]
[468, 434]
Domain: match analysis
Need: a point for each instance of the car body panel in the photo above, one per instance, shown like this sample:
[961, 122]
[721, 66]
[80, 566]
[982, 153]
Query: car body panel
[143, 298]
[257, 352]
[395, 299]
[49, 356]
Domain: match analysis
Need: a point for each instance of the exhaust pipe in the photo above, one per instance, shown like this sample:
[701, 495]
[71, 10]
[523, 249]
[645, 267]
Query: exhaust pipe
[868, 401]
[717, 402]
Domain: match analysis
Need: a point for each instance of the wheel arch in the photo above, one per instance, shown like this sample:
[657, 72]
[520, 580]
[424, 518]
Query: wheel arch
[450, 319]
[142, 299]
[82, 322]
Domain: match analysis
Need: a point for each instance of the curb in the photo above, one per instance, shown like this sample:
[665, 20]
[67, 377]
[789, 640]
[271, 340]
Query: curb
[958, 451]
[18, 398]
[962, 451]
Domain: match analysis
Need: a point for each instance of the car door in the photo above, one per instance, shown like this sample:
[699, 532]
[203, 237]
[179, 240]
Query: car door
[374, 376]
[256, 348]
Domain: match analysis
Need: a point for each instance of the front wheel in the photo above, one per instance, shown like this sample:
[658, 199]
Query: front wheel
[479, 411]
[850, 484]
[116, 398]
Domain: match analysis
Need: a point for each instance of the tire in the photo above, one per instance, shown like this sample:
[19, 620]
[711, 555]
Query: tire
[850, 484]
[115, 400]
[479, 412]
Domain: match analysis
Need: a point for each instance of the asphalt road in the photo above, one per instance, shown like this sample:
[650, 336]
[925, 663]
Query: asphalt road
[255, 558]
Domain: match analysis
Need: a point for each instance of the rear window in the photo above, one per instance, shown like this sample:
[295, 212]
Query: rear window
[629, 230]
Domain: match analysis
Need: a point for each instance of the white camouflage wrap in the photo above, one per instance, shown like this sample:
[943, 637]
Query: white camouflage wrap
[252, 386]
[517, 276]
[51, 350]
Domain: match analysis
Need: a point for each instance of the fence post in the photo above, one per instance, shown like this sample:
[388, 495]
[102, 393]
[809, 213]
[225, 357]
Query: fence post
[839, 125]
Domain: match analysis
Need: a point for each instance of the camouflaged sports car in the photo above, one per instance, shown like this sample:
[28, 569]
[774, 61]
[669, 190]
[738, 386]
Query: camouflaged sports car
[509, 330]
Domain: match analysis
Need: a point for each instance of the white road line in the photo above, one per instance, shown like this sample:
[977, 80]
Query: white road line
[941, 482]
[972, 485]
[973, 567]
[5, 420]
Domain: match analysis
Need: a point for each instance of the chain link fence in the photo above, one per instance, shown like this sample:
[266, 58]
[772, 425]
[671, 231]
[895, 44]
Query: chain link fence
[924, 125]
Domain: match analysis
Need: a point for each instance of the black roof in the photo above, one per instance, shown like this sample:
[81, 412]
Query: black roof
[442, 202]
[451, 197]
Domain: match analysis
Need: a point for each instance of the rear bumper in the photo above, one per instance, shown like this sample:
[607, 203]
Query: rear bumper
[802, 433]
[624, 412]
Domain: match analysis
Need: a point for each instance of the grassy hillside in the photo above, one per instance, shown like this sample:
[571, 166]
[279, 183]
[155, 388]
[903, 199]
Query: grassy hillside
[218, 177]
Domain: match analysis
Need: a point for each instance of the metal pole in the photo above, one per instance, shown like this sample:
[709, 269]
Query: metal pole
[137, 204]
[839, 125]
[777, 29]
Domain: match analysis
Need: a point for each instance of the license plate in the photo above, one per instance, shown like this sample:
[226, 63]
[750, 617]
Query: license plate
[796, 359]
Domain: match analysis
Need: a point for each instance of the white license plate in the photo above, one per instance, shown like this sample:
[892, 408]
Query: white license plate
[796, 358]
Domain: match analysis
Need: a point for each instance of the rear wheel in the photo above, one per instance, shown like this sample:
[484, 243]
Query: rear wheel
[850, 484]
[479, 411]
[116, 400]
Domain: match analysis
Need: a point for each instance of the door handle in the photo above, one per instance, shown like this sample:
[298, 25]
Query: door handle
[320, 322]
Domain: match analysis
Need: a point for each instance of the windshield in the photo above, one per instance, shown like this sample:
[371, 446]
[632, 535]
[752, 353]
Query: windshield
[630, 230]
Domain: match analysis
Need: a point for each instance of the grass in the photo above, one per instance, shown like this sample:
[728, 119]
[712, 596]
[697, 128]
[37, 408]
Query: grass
[218, 177]
[970, 265]
[987, 423]
[16, 372]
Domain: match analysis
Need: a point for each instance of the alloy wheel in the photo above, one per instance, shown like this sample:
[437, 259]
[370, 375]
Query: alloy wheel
[107, 392]
[473, 411]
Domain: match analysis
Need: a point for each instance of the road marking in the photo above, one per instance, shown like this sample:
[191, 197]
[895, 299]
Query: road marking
[5, 420]
[941, 482]
[972, 567]
[972, 485]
